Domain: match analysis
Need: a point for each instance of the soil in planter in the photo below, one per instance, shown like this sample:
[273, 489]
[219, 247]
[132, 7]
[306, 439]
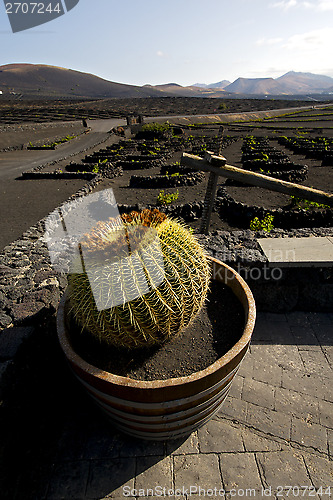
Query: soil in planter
[217, 327]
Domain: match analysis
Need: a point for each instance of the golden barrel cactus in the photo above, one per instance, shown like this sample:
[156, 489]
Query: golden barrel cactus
[166, 271]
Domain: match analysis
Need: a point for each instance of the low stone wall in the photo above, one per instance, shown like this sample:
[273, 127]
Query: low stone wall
[58, 175]
[290, 172]
[105, 170]
[188, 211]
[138, 165]
[274, 289]
[166, 181]
[241, 214]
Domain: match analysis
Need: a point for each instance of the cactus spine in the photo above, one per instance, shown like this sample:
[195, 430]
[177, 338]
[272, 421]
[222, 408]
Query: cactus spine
[164, 310]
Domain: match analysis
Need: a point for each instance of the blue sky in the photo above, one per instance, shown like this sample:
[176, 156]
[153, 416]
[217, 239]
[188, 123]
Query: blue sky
[182, 41]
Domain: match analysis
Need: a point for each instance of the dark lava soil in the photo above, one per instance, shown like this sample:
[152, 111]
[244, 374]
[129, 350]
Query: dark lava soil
[49, 110]
[217, 327]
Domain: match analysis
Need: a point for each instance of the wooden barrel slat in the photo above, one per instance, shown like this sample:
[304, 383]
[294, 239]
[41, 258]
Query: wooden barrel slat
[158, 408]
[167, 417]
[170, 433]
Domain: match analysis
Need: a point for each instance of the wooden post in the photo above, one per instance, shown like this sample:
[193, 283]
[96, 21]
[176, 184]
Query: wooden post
[208, 203]
[211, 189]
[220, 140]
[217, 165]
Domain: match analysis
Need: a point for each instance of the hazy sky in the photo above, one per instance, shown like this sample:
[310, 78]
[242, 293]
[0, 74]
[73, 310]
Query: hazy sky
[182, 41]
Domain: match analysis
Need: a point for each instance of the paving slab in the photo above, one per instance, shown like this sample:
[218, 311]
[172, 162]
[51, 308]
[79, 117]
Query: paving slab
[255, 442]
[259, 393]
[152, 473]
[309, 435]
[265, 369]
[246, 367]
[318, 317]
[305, 338]
[328, 351]
[72, 443]
[102, 442]
[294, 403]
[269, 421]
[282, 468]
[312, 384]
[326, 414]
[286, 356]
[197, 471]
[237, 387]
[240, 471]
[133, 447]
[183, 447]
[110, 477]
[298, 252]
[330, 443]
[279, 318]
[320, 470]
[233, 408]
[316, 360]
[298, 318]
[324, 333]
[220, 436]
[69, 481]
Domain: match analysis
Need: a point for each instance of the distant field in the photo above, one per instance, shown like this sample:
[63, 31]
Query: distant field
[314, 120]
[16, 111]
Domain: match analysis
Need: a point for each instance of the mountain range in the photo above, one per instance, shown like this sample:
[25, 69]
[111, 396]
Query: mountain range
[290, 83]
[33, 80]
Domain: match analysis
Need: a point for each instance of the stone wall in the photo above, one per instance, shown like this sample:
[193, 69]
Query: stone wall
[242, 214]
[274, 289]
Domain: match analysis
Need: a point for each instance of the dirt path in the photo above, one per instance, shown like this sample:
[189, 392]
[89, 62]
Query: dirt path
[25, 202]
[13, 163]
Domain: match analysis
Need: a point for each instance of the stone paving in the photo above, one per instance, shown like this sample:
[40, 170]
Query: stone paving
[274, 432]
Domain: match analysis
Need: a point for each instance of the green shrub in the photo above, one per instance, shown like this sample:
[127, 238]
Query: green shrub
[154, 130]
[306, 204]
[265, 224]
[167, 198]
[155, 127]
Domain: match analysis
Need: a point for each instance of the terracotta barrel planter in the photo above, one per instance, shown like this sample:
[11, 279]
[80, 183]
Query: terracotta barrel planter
[165, 409]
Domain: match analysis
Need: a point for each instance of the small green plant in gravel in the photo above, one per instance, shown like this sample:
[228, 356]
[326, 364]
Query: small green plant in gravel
[54, 144]
[167, 198]
[306, 204]
[265, 224]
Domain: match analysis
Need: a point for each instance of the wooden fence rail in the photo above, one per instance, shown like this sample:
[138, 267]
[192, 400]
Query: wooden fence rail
[217, 166]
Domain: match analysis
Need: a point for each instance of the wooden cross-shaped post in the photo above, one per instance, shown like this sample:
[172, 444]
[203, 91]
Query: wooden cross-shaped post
[220, 140]
[217, 166]
[211, 187]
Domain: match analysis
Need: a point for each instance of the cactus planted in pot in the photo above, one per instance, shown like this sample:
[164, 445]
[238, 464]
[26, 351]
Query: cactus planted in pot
[159, 262]
[151, 284]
